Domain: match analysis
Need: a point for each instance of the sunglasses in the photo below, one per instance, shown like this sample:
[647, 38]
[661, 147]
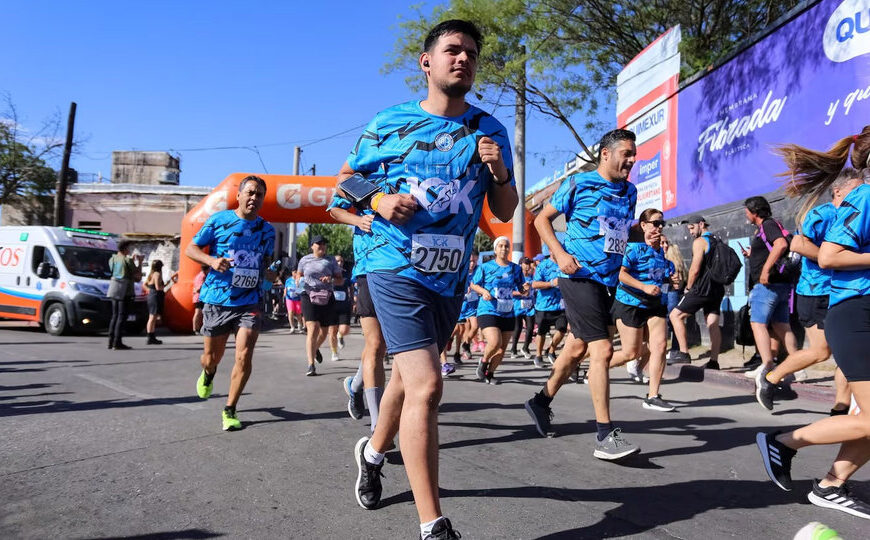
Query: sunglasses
[657, 223]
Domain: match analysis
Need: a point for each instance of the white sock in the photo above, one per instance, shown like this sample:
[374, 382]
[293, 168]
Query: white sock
[426, 528]
[372, 456]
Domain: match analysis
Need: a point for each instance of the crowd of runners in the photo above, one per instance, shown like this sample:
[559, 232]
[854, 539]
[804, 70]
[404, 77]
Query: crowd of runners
[413, 187]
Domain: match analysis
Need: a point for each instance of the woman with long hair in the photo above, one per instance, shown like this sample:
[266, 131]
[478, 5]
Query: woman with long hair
[674, 288]
[156, 298]
[846, 251]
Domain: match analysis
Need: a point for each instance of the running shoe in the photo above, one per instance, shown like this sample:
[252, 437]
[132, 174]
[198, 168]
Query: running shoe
[527, 354]
[318, 356]
[679, 357]
[764, 389]
[838, 412]
[490, 379]
[340, 342]
[447, 368]
[574, 377]
[368, 487]
[335, 357]
[231, 422]
[203, 390]
[656, 403]
[514, 355]
[551, 358]
[753, 373]
[635, 372]
[817, 531]
[443, 530]
[777, 458]
[311, 371]
[614, 446]
[712, 364]
[753, 362]
[539, 362]
[457, 359]
[838, 498]
[355, 405]
[481, 370]
[541, 416]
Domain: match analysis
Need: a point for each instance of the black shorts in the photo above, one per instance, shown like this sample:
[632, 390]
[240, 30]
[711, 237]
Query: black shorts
[198, 305]
[847, 329]
[156, 299]
[326, 314]
[364, 305]
[222, 320]
[811, 310]
[505, 324]
[635, 316]
[547, 319]
[587, 307]
[691, 303]
[342, 316]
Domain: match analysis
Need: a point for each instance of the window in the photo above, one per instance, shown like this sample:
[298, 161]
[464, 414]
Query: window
[91, 225]
[40, 255]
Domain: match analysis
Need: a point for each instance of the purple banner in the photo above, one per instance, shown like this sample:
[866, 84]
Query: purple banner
[807, 83]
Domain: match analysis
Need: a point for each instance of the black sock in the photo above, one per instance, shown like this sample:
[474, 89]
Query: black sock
[604, 430]
[209, 376]
[541, 398]
[466, 347]
[230, 410]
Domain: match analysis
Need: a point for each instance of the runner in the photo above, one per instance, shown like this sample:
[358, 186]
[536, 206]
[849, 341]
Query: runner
[498, 282]
[468, 313]
[640, 306]
[812, 296]
[524, 311]
[549, 310]
[343, 307]
[197, 304]
[320, 273]
[845, 251]
[240, 247]
[440, 157]
[599, 208]
[293, 299]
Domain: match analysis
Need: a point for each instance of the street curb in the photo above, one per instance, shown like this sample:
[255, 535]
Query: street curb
[690, 373]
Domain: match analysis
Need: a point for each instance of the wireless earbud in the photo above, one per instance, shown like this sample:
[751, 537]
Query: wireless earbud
[426, 63]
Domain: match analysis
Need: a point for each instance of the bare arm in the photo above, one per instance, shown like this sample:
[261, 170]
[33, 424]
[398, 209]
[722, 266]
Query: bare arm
[485, 294]
[777, 250]
[219, 264]
[501, 194]
[698, 249]
[836, 257]
[802, 245]
[543, 284]
[544, 224]
[349, 218]
[396, 208]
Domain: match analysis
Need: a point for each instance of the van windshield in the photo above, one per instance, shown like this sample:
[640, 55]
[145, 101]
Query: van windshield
[86, 262]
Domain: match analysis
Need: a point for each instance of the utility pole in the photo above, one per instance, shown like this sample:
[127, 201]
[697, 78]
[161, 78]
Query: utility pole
[60, 188]
[297, 154]
[519, 219]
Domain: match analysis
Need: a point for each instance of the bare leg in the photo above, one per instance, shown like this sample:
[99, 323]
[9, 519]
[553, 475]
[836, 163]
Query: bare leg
[678, 323]
[658, 339]
[818, 351]
[571, 354]
[715, 336]
[632, 339]
[762, 343]
[313, 340]
[844, 392]
[495, 361]
[600, 353]
[246, 338]
[373, 353]
[213, 351]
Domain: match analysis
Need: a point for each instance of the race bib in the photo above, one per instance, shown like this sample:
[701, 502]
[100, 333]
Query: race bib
[340, 296]
[615, 232]
[562, 304]
[471, 296]
[245, 278]
[437, 252]
[527, 303]
[504, 300]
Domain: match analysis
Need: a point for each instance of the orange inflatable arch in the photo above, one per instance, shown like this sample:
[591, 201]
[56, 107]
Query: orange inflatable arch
[289, 199]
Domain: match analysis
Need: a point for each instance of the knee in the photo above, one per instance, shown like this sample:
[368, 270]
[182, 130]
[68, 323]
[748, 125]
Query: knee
[631, 352]
[657, 346]
[428, 393]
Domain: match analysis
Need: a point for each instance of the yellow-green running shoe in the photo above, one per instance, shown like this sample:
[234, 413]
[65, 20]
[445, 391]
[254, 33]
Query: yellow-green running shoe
[202, 390]
[230, 421]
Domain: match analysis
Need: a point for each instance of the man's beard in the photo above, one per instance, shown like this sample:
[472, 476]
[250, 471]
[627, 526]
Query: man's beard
[456, 90]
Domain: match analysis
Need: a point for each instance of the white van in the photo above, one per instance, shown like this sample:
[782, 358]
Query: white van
[59, 277]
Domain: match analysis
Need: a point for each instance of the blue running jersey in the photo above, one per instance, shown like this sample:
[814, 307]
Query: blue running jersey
[526, 305]
[435, 159]
[815, 281]
[246, 242]
[361, 239]
[647, 265]
[290, 291]
[501, 282]
[599, 214]
[548, 299]
[851, 229]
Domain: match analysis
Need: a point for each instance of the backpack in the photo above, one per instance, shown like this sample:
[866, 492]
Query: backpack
[723, 263]
[743, 327]
[789, 266]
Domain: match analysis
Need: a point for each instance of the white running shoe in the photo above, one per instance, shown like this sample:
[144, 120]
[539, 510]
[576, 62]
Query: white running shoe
[335, 357]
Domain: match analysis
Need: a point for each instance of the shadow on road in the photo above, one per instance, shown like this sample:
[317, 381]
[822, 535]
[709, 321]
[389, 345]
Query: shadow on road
[191, 534]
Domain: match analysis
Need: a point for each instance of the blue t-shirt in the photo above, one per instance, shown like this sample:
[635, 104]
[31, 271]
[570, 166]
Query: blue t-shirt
[290, 291]
[525, 305]
[851, 229]
[647, 265]
[599, 214]
[361, 239]
[244, 241]
[815, 281]
[469, 302]
[501, 282]
[548, 299]
[435, 159]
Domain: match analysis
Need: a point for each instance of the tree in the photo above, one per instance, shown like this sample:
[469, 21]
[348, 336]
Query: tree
[573, 49]
[340, 238]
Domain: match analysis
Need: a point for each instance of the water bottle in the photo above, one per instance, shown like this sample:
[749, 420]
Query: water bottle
[266, 284]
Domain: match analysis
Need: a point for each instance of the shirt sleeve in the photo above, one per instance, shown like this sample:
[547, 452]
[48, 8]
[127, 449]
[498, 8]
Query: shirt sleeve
[669, 271]
[562, 199]
[205, 235]
[339, 202]
[771, 231]
[366, 155]
[849, 225]
[629, 260]
[478, 277]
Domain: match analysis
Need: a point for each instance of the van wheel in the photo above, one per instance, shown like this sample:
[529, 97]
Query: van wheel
[55, 320]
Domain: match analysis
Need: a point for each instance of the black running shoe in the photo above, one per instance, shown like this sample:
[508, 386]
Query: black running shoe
[355, 405]
[777, 458]
[443, 530]
[838, 498]
[764, 390]
[541, 416]
[318, 356]
[368, 480]
[712, 364]
[838, 412]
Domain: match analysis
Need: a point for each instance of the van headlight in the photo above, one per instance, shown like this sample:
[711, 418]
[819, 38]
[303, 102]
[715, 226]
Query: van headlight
[87, 289]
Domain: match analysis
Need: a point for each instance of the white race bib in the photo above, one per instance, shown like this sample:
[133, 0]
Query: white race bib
[340, 296]
[504, 299]
[527, 303]
[562, 304]
[615, 231]
[437, 252]
[245, 278]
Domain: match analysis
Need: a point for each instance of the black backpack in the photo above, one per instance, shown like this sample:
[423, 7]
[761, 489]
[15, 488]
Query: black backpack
[723, 263]
[743, 327]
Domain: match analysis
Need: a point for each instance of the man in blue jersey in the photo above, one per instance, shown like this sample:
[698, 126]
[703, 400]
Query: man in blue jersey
[599, 210]
[240, 246]
[436, 159]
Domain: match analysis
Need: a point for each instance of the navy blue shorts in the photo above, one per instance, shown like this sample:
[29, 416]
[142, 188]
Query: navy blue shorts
[412, 317]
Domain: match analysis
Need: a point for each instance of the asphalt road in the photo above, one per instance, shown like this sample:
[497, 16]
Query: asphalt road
[108, 444]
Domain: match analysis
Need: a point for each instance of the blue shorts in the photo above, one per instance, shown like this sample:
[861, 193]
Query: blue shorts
[769, 303]
[412, 317]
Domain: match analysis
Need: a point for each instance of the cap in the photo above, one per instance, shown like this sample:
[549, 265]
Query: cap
[540, 257]
[525, 260]
[317, 239]
[693, 219]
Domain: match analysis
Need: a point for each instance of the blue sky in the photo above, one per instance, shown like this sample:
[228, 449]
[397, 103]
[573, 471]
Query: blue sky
[180, 76]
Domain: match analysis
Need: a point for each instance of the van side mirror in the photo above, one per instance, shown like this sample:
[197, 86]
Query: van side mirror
[43, 271]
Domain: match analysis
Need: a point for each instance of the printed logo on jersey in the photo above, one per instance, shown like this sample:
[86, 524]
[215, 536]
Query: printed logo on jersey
[444, 142]
[436, 196]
